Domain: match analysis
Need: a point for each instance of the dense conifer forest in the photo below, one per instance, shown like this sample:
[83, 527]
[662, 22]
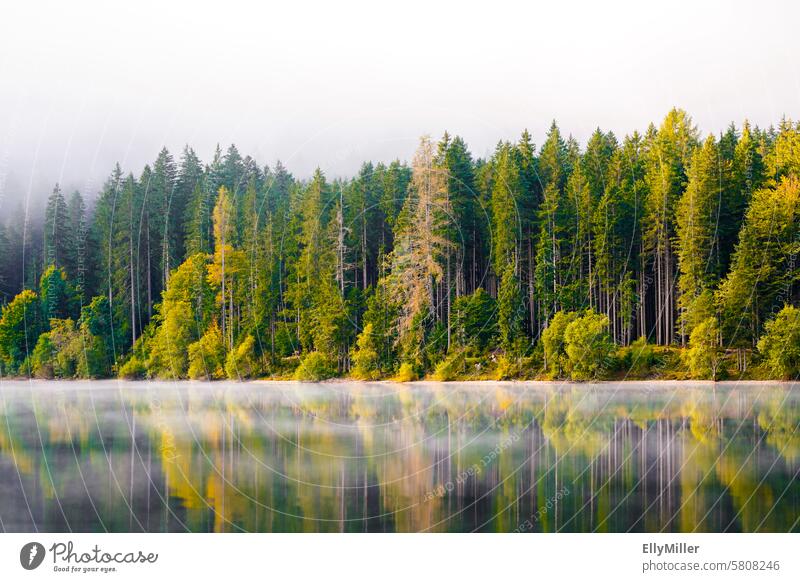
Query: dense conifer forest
[664, 254]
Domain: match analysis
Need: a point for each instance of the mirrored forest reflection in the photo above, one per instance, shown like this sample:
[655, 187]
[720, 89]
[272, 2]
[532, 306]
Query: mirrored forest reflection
[282, 457]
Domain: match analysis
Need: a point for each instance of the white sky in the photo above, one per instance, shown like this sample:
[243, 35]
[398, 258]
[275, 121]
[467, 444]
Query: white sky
[85, 84]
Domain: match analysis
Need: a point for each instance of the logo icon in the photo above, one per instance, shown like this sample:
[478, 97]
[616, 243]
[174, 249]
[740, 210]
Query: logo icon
[31, 555]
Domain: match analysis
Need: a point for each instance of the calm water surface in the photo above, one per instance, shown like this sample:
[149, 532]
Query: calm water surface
[151, 456]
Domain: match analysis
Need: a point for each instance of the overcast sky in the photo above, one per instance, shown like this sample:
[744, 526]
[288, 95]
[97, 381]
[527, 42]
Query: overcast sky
[86, 84]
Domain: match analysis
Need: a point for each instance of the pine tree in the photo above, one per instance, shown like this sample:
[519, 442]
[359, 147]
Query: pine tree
[763, 270]
[697, 230]
[56, 229]
[416, 260]
[668, 151]
[228, 263]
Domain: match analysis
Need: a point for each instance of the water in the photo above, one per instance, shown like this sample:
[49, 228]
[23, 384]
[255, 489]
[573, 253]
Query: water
[150, 456]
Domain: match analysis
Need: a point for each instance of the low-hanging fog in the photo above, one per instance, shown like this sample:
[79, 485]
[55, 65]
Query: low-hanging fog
[85, 85]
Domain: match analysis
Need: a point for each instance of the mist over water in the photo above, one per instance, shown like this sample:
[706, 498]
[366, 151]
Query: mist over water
[286, 457]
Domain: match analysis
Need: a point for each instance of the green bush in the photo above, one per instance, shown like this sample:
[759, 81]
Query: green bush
[93, 362]
[780, 344]
[588, 346]
[67, 351]
[133, 369]
[366, 361]
[452, 367]
[20, 324]
[553, 343]
[207, 355]
[508, 368]
[406, 373]
[703, 356]
[41, 360]
[242, 361]
[638, 358]
[168, 346]
[314, 367]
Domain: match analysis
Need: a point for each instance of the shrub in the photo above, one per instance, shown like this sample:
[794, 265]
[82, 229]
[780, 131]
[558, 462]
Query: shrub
[170, 341]
[93, 362]
[780, 344]
[63, 351]
[20, 324]
[315, 366]
[638, 358]
[68, 347]
[207, 355]
[508, 368]
[553, 343]
[366, 361]
[452, 367]
[588, 346]
[242, 361]
[41, 361]
[133, 369]
[407, 373]
[703, 356]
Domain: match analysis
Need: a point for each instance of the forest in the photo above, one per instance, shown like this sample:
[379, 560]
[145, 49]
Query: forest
[665, 254]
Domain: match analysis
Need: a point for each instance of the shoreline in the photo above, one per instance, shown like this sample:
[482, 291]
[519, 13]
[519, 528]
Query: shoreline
[455, 383]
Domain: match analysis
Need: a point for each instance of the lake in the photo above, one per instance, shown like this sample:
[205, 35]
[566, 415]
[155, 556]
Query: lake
[495, 457]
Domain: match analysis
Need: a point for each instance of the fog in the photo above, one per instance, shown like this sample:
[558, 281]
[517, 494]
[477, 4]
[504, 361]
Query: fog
[85, 85]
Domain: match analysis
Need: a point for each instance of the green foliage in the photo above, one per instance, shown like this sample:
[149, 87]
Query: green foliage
[555, 355]
[638, 358]
[231, 268]
[475, 320]
[20, 324]
[510, 312]
[97, 339]
[68, 350]
[285, 340]
[168, 349]
[578, 345]
[66, 347]
[94, 359]
[780, 344]
[762, 266]
[406, 373]
[58, 298]
[365, 356]
[314, 367]
[41, 360]
[380, 314]
[588, 346]
[452, 367]
[133, 369]
[697, 219]
[435, 346]
[242, 361]
[508, 367]
[703, 357]
[186, 307]
[207, 355]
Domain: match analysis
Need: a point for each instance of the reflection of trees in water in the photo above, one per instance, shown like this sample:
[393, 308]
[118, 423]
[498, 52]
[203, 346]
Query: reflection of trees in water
[374, 458]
